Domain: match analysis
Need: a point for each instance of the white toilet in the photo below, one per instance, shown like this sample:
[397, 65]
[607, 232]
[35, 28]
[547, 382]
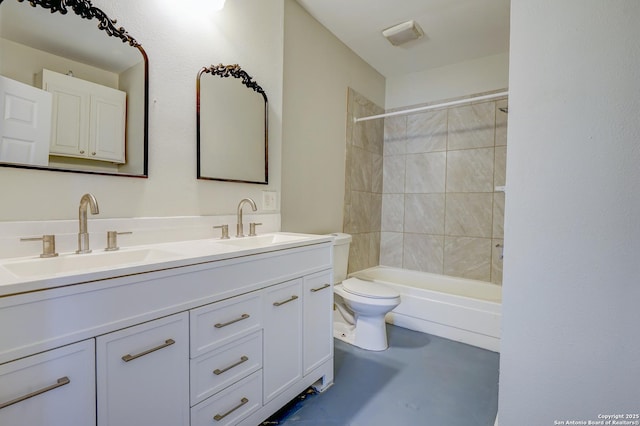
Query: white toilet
[361, 305]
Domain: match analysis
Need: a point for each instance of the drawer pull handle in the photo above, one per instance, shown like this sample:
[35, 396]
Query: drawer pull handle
[224, 324]
[243, 358]
[313, 290]
[285, 301]
[60, 382]
[130, 357]
[219, 417]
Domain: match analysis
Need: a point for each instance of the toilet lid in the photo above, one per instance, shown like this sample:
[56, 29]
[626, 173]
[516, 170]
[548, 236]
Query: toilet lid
[368, 289]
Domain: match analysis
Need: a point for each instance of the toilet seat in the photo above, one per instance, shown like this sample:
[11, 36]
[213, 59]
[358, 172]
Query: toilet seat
[368, 289]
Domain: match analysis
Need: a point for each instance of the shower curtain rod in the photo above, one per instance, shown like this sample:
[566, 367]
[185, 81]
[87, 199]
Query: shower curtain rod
[429, 107]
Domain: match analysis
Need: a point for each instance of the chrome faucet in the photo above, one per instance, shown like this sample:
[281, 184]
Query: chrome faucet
[239, 227]
[83, 235]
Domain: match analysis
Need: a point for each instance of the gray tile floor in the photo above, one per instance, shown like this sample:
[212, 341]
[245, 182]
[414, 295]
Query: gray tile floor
[420, 380]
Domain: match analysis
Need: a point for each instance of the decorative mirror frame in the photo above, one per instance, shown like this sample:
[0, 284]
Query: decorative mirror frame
[235, 71]
[85, 9]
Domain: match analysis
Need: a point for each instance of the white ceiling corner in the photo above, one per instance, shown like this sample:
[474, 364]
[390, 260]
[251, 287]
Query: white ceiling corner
[455, 30]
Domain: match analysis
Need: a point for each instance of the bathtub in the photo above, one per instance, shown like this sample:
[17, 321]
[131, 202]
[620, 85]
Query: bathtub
[459, 309]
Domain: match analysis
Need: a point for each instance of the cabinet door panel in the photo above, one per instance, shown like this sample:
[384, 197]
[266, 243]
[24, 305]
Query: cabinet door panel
[107, 128]
[282, 314]
[70, 121]
[318, 320]
[54, 388]
[143, 374]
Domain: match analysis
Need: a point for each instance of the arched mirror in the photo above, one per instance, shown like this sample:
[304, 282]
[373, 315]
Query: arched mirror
[73, 90]
[232, 126]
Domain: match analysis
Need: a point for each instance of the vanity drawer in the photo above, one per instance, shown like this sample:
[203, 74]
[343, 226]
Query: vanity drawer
[212, 372]
[54, 388]
[222, 322]
[231, 405]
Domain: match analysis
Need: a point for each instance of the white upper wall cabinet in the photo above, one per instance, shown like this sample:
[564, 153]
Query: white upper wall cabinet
[88, 118]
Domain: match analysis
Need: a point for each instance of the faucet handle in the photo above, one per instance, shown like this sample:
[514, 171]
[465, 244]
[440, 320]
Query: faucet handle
[112, 240]
[252, 228]
[225, 231]
[48, 244]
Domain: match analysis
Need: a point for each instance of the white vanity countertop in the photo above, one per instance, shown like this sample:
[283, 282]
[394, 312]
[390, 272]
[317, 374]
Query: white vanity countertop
[27, 274]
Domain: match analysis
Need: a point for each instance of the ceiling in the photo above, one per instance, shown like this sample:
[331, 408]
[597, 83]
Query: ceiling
[455, 30]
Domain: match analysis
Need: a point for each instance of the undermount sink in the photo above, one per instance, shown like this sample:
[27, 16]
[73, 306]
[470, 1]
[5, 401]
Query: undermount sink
[75, 263]
[265, 240]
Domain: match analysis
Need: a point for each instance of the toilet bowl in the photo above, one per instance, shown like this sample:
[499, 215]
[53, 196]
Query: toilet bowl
[360, 305]
[363, 306]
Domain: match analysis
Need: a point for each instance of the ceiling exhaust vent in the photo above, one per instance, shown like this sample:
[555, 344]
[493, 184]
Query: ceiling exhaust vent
[403, 33]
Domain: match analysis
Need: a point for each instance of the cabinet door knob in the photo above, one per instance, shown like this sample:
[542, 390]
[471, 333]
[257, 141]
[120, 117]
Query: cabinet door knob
[313, 290]
[224, 324]
[243, 358]
[129, 357]
[82, 151]
[291, 299]
[60, 382]
[219, 417]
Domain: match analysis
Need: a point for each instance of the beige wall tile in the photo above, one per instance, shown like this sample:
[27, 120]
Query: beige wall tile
[424, 213]
[395, 135]
[468, 257]
[360, 166]
[470, 170]
[393, 174]
[472, 126]
[376, 173]
[374, 249]
[359, 252]
[375, 213]
[500, 168]
[375, 133]
[391, 250]
[427, 132]
[498, 215]
[469, 215]
[360, 213]
[404, 190]
[423, 252]
[426, 172]
[392, 212]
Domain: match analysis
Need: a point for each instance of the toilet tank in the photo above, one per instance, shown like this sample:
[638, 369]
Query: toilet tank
[341, 243]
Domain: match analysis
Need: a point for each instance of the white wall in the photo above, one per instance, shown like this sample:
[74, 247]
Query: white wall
[570, 347]
[318, 70]
[179, 38]
[480, 75]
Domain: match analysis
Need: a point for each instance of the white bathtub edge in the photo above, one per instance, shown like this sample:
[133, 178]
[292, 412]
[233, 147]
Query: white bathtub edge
[448, 332]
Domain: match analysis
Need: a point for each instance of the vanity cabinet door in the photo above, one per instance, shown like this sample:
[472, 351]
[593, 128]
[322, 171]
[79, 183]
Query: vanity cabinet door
[282, 315]
[54, 388]
[143, 374]
[318, 320]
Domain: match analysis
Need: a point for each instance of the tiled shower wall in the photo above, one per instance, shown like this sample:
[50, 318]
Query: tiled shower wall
[363, 182]
[420, 189]
[440, 210]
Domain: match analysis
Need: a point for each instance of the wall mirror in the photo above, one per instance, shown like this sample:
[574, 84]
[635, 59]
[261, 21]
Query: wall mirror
[232, 134]
[73, 90]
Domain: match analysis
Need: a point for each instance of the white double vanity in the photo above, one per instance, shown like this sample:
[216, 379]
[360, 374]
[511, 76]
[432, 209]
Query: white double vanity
[201, 332]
